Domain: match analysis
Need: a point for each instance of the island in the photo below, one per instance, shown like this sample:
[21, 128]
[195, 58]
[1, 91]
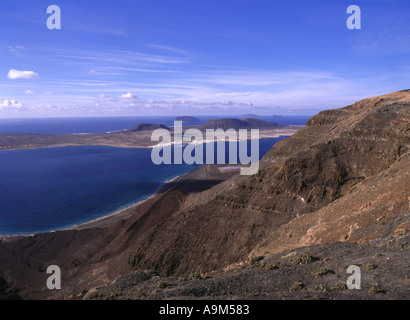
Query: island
[137, 137]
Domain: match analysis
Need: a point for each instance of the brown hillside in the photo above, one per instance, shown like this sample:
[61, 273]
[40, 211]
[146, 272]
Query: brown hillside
[338, 155]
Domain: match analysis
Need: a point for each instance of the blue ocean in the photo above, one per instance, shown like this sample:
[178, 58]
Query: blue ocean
[52, 188]
[111, 124]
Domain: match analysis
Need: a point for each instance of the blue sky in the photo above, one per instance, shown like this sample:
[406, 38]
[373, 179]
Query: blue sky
[162, 57]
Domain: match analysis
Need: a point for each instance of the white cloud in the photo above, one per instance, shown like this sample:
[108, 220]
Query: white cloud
[17, 74]
[11, 104]
[128, 96]
[16, 50]
[167, 48]
[29, 92]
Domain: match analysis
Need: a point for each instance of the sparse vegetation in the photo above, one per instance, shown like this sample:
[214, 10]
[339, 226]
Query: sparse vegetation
[320, 288]
[339, 287]
[256, 260]
[141, 292]
[373, 290]
[95, 296]
[369, 266]
[82, 294]
[304, 258]
[163, 285]
[195, 276]
[271, 266]
[297, 286]
[112, 296]
[320, 272]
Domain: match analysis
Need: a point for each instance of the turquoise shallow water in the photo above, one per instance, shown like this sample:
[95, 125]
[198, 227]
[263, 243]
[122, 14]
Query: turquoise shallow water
[52, 188]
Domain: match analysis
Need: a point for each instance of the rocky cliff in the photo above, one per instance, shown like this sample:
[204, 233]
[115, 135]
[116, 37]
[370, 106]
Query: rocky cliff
[325, 183]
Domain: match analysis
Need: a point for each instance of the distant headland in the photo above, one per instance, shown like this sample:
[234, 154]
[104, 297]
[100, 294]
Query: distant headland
[138, 136]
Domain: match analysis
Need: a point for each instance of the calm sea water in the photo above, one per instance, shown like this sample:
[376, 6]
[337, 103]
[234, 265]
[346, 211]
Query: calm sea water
[52, 188]
[109, 124]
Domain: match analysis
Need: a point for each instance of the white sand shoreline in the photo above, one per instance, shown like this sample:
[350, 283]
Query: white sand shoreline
[116, 215]
[102, 221]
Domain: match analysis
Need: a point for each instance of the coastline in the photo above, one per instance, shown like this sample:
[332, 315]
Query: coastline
[118, 214]
[104, 220]
[128, 210]
[138, 142]
[125, 212]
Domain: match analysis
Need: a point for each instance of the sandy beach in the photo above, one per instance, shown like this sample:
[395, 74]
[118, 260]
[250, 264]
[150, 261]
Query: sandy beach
[201, 178]
[122, 139]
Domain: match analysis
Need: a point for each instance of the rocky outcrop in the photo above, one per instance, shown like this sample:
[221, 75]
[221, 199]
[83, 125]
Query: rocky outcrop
[187, 119]
[148, 127]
